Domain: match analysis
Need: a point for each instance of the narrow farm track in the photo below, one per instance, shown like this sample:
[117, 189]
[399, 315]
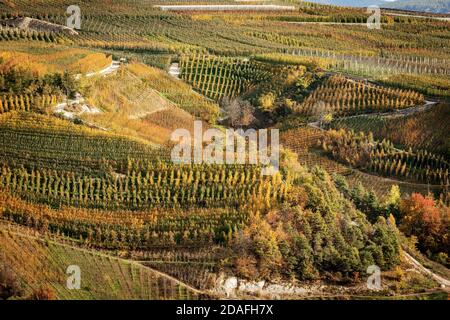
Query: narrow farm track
[113, 67]
[397, 113]
[412, 184]
[225, 7]
[401, 113]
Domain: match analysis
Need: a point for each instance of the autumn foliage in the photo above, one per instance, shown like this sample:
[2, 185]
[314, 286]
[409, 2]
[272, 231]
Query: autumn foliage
[429, 221]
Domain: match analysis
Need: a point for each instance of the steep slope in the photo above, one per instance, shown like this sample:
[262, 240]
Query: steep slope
[41, 266]
[148, 103]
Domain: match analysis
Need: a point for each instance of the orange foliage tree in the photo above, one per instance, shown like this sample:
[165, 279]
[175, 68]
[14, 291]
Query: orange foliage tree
[429, 221]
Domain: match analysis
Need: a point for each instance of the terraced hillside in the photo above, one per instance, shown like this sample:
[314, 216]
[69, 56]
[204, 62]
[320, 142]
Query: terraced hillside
[341, 96]
[426, 130]
[216, 77]
[42, 59]
[359, 150]
[127, 172]
[102, 277]
[87, 133]
[38, 141]
[305, 143]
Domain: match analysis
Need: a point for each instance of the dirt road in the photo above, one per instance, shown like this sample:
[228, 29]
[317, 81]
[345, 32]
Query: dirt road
[419, 267]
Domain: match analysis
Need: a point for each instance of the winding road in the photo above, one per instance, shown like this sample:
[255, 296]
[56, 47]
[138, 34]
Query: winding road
[113, 67]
